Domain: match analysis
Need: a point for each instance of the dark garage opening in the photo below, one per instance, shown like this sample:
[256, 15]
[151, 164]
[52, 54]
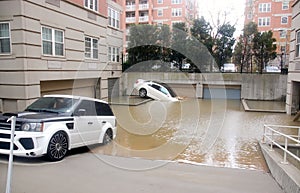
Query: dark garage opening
[222, 92]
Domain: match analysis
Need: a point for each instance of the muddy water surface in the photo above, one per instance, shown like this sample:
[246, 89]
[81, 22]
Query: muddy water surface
[210, 132]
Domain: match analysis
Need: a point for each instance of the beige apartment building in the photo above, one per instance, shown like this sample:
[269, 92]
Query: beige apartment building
[158, 12]
[293, 87]
[58, 47]
[274, 15]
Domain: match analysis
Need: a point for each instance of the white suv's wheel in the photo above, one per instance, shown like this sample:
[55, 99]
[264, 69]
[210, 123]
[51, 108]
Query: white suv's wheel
[58, 146]
[107, 137]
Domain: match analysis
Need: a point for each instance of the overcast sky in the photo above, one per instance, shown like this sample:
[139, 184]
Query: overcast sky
[234, 8]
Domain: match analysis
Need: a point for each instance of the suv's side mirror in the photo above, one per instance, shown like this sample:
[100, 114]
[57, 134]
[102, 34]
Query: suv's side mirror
[80, 112]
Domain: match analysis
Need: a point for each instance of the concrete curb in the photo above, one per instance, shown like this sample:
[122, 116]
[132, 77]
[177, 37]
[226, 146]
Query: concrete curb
[286, 175]
[247, 108]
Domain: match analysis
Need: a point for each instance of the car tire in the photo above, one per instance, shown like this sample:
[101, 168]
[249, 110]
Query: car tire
[143, 93]
[58, 146]
[107, 138]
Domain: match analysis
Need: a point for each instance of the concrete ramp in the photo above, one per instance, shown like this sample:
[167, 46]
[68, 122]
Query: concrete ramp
[297, 116]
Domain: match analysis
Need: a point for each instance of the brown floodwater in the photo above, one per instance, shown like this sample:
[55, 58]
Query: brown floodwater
[210, 132]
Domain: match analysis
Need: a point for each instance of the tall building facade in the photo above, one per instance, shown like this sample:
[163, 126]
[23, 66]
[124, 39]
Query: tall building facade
[293, 87]
[58, 46]
[274, 15]
[159, 12]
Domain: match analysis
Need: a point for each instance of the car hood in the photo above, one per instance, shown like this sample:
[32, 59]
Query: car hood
[35, 116]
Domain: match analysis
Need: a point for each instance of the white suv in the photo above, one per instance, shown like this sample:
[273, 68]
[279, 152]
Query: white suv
[54, 124]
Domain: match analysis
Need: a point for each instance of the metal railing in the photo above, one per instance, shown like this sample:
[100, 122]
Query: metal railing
[282, 137]
[10, 161]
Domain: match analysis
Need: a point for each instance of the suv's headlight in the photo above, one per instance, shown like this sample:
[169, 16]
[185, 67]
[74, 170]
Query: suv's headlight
[32, 127]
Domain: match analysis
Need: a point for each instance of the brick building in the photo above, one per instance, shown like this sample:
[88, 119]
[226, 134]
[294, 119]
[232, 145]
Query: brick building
[58, 46]
[158, 12]
[274, 15]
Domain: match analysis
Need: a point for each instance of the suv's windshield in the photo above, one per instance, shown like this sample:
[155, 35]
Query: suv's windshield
[52, 105]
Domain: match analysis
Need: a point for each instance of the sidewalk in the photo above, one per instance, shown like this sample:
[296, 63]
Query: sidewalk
[87, 173]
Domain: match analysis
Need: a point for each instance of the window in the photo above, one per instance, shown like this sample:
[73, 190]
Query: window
[53, 41]
[160, 1]
[298, 44]
[250, 15]
[283, 33]
[285, 5]
[284, 20]
[282, 49]
[5, 38]
[176, 12]
[113, 54]
[264, 7]
[264, 21]
[91, 4]
[103, 109]
[91, 48]
[113, 18]
[88, 106]
[176, 1]
[160, 12]
[249, 3]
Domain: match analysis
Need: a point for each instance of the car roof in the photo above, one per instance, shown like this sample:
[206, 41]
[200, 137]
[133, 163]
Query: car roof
[75, 97]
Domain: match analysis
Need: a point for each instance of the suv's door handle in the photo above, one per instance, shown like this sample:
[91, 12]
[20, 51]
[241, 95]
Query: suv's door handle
[90, 123]
[103, 122]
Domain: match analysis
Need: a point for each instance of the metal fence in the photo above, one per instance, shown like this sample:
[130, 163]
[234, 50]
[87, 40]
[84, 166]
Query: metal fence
[282, 137]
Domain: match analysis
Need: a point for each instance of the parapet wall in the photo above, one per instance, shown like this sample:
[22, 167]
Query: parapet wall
[253, 86]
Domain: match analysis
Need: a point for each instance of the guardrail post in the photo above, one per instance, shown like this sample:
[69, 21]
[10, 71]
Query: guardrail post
[298, 136]
[272, 139]
[264, 135]
[285, 151]
[10, 162]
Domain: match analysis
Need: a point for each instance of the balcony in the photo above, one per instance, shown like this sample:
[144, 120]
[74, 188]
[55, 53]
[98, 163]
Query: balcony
[130, 19]
[130, 7]
[144, 6]
[143, 18]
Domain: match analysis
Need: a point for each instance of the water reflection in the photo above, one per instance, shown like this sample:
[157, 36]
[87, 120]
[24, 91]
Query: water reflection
[217, 132]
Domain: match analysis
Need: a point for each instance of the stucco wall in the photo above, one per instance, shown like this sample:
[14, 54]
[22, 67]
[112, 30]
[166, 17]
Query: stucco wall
[22, 70]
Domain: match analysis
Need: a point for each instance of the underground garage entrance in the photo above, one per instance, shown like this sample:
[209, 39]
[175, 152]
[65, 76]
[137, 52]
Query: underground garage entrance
[222, 92]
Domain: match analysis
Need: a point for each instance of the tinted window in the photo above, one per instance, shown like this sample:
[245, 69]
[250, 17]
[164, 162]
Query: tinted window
[88, 106]
[103, 109]
[170, 90]
[155, 86]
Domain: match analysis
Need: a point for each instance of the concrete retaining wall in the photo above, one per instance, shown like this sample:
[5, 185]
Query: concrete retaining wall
[287, 176]
[253, 86]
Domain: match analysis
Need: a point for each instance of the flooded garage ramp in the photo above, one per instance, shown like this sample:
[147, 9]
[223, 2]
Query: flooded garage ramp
[211, 132]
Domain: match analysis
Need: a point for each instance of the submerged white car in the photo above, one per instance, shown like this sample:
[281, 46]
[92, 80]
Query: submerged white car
[54, 124]
[155, 90]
